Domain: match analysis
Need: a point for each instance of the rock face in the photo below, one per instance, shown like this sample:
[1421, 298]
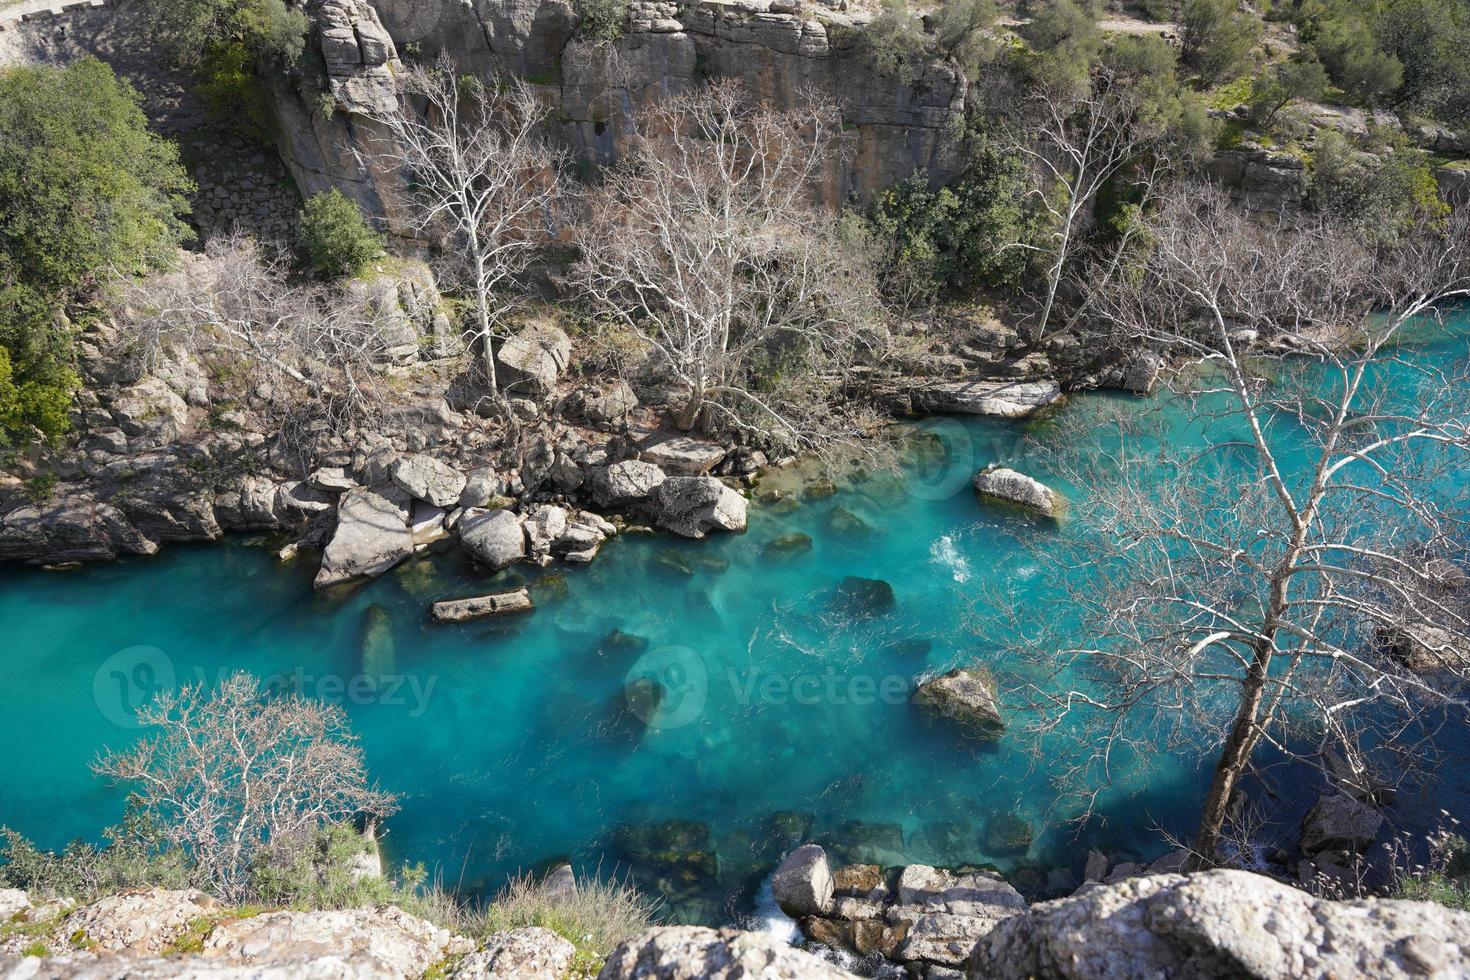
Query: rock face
[802, 885]
[1261, 179]
[947, 913]
[372, 536]
[138, 922]
[532, 953]
[494, 538]
[73, 528]
[480, 607]
[1006, 486]
[774, 46]
[1426, 648]
[425, 478]
[692, 506]
[387, 939]
[965, 698]
[696, 953]
[1222, 924]
[997, 398]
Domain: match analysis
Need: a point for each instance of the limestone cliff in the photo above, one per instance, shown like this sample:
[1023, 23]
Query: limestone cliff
[780, 49]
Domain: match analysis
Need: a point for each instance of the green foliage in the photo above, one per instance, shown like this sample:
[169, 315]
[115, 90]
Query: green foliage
[595, 918]
[1065, 36]
[86, 191]
[1445, 879]
[601, 21]
[234, 94]
[1297, 79]
[1386, 192]
[336, 238]
[900, 41]
[195, 29]
[1217, 38]
[959, 237]
[1431, 41]
[134, 857]
[1347, 49]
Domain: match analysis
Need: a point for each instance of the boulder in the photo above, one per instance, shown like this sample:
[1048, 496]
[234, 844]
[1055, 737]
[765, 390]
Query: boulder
[1426, 648]
[543, 525]
[624, 484]
[492, 537]
[393, 941]
[602, 404]
[692, 506]
[1001, 485]
[802, 884]
[248, 503]
[965, 697]
[331, 479]
[425, 478]
[1339, 822]
[681, 455]
[998, 398]
[150, 413]
[529, 364]
[74, 527]
[530, 953]
[947, 913]
[480, 607]
[697, 953]
[1219, 924]
[372, 536]
[864, 598]
[146, 921]
[481, 487]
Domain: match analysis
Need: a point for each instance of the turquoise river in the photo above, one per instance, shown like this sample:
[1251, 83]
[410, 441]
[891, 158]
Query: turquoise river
[512, 743]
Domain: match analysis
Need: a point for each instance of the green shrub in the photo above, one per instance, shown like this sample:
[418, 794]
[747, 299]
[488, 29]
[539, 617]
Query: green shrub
[195, 29]
[86, 191]
[336, 238]
[601, 21]
[1385, 187]
[1217, 38]
[1298, 79]
[233, 93]
[133, 857]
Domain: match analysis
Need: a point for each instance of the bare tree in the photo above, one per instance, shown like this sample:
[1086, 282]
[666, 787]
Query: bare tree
[1286, 578]
[237, 302]
[235, 770]
[1078, 141]
[707, 243]
[480, 180]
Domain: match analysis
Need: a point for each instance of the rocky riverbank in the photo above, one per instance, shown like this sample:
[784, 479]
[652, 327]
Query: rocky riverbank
[916, 922]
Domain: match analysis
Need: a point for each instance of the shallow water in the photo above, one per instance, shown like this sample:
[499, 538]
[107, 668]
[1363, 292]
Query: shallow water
[512, 742]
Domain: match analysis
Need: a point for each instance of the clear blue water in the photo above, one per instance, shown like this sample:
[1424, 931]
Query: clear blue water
[512, 742]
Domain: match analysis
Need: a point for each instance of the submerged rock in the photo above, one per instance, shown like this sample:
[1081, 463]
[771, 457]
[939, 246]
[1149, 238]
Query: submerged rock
[861, 598]
[378, 658]
[794, 543]
[481, 607]
[1007, 834]
[1006, 486]
[965, 697]
[372, 536]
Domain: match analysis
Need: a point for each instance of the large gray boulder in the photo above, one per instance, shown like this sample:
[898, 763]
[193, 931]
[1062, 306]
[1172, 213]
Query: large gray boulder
[692, 506]
[966, 698]
[372, 536]
[802, 885]
[493, 537]
[150, 413]
[997, 398]
[529, 364]
[624, 484]
[697, 953]
[73, 527]
[1339, 822]
[1222, 924]
[681, 455]
[425, 478]
[1000, 485]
